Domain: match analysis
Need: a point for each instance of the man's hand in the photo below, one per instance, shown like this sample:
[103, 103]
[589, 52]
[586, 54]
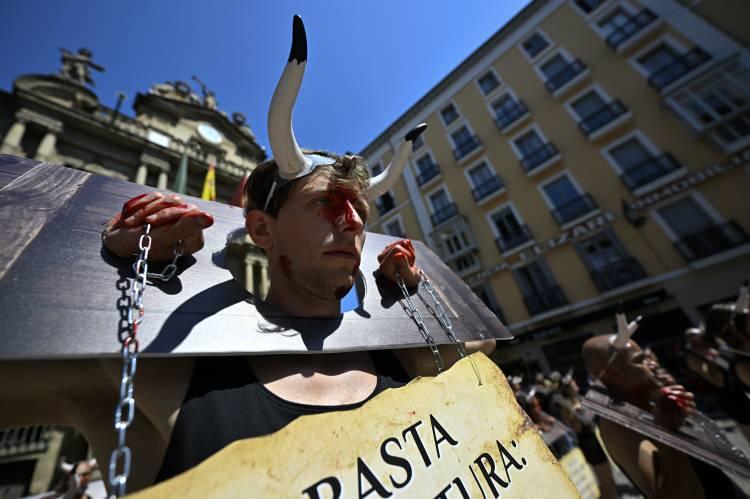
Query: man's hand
[399, 257]
[673, 405]
[171, 220]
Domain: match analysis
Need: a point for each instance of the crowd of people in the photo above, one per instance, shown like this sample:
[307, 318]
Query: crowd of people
[717, 353]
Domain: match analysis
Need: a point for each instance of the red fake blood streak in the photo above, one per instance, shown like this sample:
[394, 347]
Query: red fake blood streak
[340, 207]
[286, 266]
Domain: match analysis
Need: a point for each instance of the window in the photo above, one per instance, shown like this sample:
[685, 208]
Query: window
[508, 110]
[393, 228]
[613, 21]
[538, 286]
[510, 232]
[443, 209]
[567, 202]
[483, 180]
[449, 114]
[485, 294]
[418, 143]
[594, 113]
[696, 233]
[464, 141]
[665, 64]
[620, 25]
[488, 82]
[376, 170]
[640, 166]
[535, 45]
[608, 262]
[588, 6]
[533, 150]
[426, 169]
[558, 71]
[385, 203]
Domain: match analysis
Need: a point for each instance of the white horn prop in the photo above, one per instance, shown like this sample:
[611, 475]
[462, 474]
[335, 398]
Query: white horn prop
[66, 467]
[387, 179]
[289, 158]
[743, 300]
[624, 330]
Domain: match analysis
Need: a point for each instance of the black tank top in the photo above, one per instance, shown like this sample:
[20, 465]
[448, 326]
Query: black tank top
[225, 402]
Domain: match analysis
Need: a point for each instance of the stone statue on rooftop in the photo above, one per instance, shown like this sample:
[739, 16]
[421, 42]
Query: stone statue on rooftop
[209, 98]
[76, 66]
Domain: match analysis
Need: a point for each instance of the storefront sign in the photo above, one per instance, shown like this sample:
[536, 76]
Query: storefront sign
[575, 233]
[687, 182]
[443, 437]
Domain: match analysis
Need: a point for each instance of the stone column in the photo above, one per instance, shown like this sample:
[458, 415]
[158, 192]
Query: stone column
[141, 174]
[46, 147]
[12, 141]
[162, 181]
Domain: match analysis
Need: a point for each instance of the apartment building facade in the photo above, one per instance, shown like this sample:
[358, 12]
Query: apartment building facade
[590, 152]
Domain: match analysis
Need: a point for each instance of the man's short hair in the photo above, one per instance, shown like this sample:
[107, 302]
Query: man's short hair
[347, 171]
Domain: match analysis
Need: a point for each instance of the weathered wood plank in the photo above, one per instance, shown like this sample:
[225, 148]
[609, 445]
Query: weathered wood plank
[28, 203]
[59, 298]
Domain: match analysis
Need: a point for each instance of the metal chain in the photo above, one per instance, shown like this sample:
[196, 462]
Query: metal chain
[416, 316]
[170, 270]
[439, 313]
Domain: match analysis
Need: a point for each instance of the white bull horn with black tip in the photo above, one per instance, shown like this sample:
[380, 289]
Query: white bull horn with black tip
[625, 330]
[290, 159]
[387, 179]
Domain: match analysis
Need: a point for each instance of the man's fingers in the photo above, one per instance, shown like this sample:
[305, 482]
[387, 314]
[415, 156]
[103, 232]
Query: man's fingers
[133, 205]
[160, 202]
[187, 224]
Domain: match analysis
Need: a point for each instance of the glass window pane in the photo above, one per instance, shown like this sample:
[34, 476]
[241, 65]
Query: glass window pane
[480, 174]
[685, 217]
[449, 114]
[461, 136]
[528, 143]
[561, 191]
[554, 66]
[614, 20]
[488, 83]
[630, 153]
[588, 104]
[439, 200]
[535, 44]
[424, 163]
[658, 58]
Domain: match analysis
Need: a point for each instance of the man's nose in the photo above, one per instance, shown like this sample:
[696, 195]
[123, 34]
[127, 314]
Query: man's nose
[350, 219]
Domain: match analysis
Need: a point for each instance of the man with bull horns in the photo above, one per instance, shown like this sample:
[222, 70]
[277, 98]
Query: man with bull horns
[307, 210]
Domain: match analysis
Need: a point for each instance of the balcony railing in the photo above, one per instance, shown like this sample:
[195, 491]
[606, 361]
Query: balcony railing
[490, 185]
[563, 76]
[677, 68]
[618, 273]
[507, 242]
[546, 299]
[384, 204]
[635, 24]
[711, 240]
[538, 156]
[466, 147]
[575, 208]
[428, 173]
[649, 170]
[602, 116]
[508, 116]
[24, 440]
[444, 214]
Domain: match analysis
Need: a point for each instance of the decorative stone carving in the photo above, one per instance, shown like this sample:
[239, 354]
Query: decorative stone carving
[76, 67]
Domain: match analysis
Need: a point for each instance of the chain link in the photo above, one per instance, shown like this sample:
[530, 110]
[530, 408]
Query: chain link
[416, 316]
[120, 459]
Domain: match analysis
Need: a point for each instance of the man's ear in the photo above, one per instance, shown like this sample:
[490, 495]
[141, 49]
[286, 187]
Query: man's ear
[259, 227]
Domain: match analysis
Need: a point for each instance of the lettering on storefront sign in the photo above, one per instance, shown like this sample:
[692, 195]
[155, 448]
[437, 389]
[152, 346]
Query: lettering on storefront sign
[442, 437]
[573, 234]
[691, 180]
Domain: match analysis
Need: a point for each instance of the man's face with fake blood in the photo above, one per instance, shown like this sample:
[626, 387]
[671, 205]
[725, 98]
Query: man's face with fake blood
[318, 237]
[628, 374]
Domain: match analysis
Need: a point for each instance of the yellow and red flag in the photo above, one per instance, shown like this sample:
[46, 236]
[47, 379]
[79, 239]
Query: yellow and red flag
[209, 185]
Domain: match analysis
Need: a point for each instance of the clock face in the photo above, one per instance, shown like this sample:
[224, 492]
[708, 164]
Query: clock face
[209, 133]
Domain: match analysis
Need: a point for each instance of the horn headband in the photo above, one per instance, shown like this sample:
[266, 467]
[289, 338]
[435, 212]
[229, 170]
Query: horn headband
[291, 161]
[624, 330]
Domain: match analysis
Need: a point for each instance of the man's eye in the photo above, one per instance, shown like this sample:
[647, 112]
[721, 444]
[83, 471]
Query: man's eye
[322, 202]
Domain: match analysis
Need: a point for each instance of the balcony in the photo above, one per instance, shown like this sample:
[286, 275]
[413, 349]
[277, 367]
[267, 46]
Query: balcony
[539, 156]
[679, 67]
[575, 208]
[635, 24]
[510, 115]
[711, 240]
[616, 274]
[490, 185]
[564, 76]
[444, 214]
[511, 240]
[649, 170]
[385, 203]
[428, 173]
[546, 299]
[602, 117]
[466, 147]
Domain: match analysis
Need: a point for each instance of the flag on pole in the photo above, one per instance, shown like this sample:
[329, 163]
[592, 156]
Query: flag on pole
[209, 185]
[180, 181]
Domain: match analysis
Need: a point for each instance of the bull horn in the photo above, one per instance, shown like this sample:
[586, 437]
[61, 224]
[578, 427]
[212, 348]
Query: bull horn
[387, 179]
[287, 153]
[743, 300]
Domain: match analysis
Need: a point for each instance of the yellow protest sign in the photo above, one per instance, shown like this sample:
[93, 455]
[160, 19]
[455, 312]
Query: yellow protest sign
[443, 437]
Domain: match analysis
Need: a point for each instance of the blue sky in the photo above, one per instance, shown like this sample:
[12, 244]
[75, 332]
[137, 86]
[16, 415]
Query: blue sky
[368, 61]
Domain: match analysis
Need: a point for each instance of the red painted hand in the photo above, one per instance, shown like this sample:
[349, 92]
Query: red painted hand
[171, 219]
[400, 257]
